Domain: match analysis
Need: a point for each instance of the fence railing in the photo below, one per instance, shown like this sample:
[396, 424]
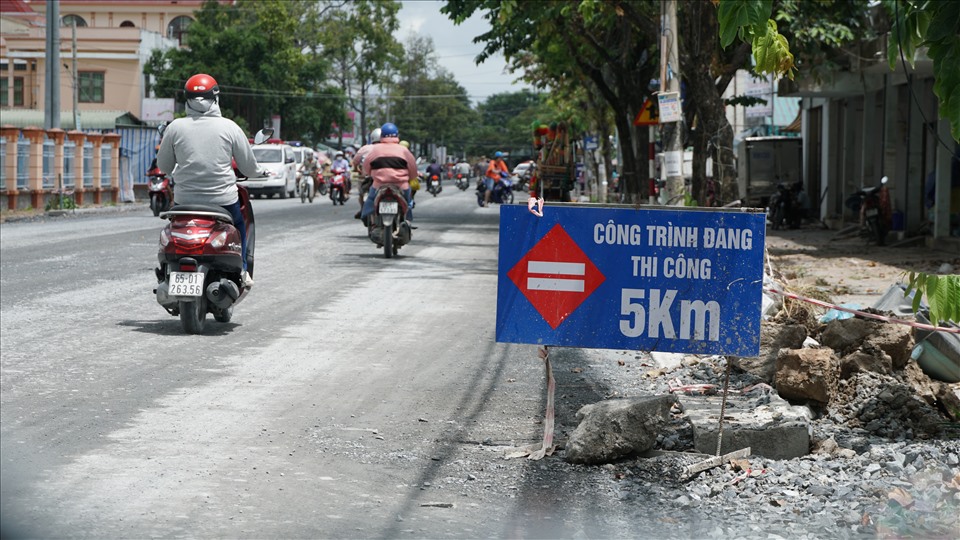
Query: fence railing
[37, 164]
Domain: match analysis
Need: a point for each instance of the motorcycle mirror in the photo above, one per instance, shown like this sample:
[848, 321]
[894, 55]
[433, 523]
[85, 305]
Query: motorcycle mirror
[884, 180]
[262, 136]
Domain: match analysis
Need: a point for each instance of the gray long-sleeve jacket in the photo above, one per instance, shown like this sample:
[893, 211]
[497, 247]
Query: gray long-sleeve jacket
[198, 151]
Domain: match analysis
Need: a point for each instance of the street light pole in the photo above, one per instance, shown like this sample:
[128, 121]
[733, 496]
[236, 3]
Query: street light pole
[76, 88]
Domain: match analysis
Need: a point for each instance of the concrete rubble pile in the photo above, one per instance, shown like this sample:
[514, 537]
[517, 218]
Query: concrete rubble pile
[846, 432]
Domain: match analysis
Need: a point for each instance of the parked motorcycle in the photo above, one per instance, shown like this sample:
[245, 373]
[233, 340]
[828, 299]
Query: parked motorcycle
[201, 262]
[462, 182]
[161, 191]
[502, 191]
[873, 206]
[338, 187]
[389, 227]
[782, 209]
[433, 185]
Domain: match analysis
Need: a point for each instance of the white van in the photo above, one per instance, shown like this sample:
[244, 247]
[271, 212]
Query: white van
[281, 165]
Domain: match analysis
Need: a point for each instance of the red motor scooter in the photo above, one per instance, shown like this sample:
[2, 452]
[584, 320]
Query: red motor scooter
[161, 191]
[338, 186]
[201, 262]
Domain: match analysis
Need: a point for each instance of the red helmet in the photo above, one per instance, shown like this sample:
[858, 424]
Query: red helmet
[201, 85]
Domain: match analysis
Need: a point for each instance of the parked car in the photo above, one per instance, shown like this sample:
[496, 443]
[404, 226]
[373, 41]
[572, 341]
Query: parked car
[280, 162]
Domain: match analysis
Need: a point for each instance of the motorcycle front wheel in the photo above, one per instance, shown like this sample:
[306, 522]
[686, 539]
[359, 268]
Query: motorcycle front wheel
[193, 315]
[155, 206]
[303, 194]
[507, 199]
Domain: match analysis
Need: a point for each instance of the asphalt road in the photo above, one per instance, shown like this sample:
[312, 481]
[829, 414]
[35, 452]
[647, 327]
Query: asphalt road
[329, 407]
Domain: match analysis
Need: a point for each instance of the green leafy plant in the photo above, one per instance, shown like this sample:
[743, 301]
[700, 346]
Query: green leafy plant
[60, 202]
[941, 291]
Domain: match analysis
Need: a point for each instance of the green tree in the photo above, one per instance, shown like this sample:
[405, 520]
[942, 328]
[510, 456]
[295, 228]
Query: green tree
[251, 49]
[582, 40]
[358, 37]
[934, 24]
[428, 105]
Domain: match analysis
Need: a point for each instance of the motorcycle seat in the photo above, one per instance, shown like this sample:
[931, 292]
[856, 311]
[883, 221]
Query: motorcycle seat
[217, 212]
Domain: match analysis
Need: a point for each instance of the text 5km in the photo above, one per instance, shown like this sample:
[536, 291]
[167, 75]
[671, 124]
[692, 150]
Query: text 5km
[656, 316]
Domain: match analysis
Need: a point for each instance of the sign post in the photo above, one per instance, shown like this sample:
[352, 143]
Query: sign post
[658, 279]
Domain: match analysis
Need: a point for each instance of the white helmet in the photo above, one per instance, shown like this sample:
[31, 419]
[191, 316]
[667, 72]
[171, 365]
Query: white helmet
[375, 136]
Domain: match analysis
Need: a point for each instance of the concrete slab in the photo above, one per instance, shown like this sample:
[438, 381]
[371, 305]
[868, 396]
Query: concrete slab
[768, 424]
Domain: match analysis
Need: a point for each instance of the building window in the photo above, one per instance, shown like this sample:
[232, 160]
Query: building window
[127, 24]
[17, 92]
[69, 20]
[177, 29]
[90, 85]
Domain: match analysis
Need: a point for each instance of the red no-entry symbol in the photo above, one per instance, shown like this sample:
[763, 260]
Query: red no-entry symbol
[556, 276]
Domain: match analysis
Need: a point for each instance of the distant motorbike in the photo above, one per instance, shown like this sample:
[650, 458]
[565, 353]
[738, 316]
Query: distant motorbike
[338, 187]
[874, 210]
[433, 185]
[161, 191]
[200, 258]
[462, 182]
[502, 191]
[306, 187]
[389, 227]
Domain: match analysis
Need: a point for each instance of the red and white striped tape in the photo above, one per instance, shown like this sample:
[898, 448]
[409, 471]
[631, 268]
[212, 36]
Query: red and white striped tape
[883, 318]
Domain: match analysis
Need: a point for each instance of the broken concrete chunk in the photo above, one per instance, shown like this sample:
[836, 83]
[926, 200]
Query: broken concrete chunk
[845, 335]
[776, 430]
[807, 375]
[894, 339]
[773, 337]
[616, 428]
[859, 361]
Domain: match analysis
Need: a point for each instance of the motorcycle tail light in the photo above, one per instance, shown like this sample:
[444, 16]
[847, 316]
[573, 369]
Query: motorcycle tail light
[189, 236]
[219, 240]
[187, 267]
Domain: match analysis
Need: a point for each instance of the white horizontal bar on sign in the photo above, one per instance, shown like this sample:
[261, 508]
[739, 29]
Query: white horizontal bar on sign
[562, 285]
[561, 268]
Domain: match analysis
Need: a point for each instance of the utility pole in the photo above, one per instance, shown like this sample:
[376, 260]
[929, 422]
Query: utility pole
[51, 88]
[670, 84]
[76, 87]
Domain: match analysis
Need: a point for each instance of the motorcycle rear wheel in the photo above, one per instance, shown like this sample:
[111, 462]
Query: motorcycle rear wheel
[388, 243]
[193, 315]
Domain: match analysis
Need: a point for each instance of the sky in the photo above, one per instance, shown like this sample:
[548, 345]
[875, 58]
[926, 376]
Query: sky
[455, 48]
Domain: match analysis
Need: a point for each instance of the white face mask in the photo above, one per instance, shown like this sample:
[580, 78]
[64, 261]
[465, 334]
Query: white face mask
[199, 104]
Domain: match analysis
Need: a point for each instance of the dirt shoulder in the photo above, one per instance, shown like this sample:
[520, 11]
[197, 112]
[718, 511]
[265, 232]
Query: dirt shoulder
[849, 270]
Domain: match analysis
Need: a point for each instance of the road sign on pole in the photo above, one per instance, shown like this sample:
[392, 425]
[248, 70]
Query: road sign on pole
[621, 278]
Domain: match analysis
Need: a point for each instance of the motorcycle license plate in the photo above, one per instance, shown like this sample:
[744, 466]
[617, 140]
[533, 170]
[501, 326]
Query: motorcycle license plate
[388, 207]
[186, 284]
[871, 212]
[434, 183]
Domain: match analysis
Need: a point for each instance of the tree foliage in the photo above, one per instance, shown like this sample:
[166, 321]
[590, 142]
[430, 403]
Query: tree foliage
[251, 48]
[428, 105]
[358, 38]
[934, 24]
[610, 44]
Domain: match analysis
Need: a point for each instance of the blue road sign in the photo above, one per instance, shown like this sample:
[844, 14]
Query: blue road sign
[658, 279]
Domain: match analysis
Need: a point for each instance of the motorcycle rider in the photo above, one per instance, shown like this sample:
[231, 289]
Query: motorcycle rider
[339, 162]
[199, 151]
[357, 162]
[311, 169]
[389, 163]
[492, 176]
[434, 168]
